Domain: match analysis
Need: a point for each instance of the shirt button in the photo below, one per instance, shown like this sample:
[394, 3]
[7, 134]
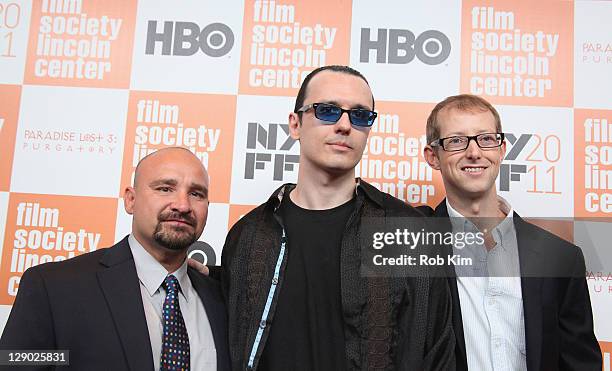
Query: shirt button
[262, 324]
[275, 281]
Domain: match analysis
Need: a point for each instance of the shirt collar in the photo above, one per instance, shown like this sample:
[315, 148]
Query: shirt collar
[152, 274]
[458, 221]
[501, 233]
[361, 187]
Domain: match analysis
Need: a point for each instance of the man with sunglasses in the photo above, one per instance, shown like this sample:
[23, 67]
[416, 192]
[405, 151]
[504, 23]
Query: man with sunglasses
[524, 304]
[291, 267]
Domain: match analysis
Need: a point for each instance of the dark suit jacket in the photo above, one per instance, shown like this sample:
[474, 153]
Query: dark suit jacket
[91, 305]
[556, 304]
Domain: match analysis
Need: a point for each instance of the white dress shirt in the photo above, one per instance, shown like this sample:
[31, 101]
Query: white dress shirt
[151, 275]
[490, 297]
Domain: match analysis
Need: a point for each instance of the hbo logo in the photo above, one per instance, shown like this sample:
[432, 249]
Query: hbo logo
[202, 252]
[185, 38]
[400, 46]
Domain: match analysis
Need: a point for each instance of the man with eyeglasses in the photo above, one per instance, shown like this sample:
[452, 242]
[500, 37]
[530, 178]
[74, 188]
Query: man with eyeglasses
[524, 304]
[291, 267]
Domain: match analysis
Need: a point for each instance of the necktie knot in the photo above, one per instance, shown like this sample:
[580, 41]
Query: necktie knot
[171, 284]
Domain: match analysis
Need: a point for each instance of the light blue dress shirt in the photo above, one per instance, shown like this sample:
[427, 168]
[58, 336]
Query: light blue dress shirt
[491, 298]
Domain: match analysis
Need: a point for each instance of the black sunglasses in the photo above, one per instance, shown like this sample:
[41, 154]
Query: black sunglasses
[332, 113]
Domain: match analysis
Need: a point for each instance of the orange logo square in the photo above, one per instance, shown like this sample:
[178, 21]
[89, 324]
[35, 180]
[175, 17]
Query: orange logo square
[46, 228]
[606, 351]
[9, 111]
[202, 123]
[592, 163]
[518, 53]
[236, 212]
[393, 159]
[81, 43]
[283, 41]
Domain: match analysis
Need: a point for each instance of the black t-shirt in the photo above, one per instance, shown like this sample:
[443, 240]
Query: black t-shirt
[307, 332]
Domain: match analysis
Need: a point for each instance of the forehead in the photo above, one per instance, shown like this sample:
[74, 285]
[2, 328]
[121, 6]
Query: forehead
[178, 166]
[458, 122]
[339, 87]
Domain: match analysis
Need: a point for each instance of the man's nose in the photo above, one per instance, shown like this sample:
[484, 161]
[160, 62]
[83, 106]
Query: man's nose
[473, 150]
[344, 123]
[181, 202]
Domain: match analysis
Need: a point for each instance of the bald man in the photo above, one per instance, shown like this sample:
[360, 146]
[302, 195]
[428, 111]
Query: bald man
[136, 305]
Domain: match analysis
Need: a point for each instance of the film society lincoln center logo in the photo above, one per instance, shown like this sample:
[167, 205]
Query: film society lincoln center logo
[81, 43]
[285, 40]
[518, 52]
[50, 228]
[593, 163]
[9, 109]
[202, 123]
[606, 349]
[393, 158]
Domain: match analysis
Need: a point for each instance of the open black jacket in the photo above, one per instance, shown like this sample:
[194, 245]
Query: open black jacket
[91, 305]
[556, 305]
[409, 319]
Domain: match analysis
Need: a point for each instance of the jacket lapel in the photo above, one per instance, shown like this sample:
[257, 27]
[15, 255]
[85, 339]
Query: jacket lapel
[531, 285]
[442, 212]
[120, 285]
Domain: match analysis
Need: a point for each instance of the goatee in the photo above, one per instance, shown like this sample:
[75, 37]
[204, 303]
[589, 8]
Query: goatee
[174, 238]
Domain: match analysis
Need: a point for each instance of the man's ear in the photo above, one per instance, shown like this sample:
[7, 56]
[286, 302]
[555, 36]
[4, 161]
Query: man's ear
[129, 197]
[503, 151]
[294, 125]
[431, 156]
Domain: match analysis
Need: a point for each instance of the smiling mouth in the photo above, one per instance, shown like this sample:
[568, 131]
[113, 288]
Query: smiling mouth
[472, 169]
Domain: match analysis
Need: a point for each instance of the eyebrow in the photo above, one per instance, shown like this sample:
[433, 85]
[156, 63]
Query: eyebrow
[462, 134]
[199, 188]
[158, 182]
[174, 183]
[355, 106]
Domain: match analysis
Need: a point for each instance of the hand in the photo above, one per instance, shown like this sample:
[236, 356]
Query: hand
[198, 266]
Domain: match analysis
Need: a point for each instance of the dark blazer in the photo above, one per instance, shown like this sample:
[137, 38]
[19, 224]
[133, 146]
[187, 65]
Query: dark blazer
[91, 305]
[556, 304]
